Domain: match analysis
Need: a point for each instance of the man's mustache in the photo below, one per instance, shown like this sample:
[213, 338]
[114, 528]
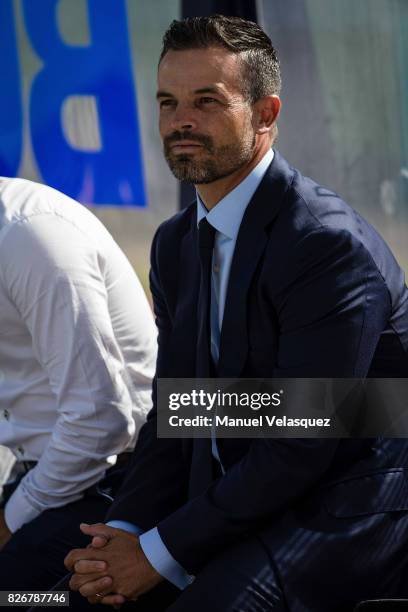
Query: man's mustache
[202, 139]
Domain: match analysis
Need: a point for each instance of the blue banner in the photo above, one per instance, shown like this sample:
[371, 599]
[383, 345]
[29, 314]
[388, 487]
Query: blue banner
[110, 173]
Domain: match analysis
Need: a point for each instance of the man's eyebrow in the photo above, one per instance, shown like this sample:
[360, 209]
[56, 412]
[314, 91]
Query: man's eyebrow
[213, 90]
[163, 94]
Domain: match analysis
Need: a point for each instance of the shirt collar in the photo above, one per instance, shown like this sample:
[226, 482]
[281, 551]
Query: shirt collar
[227, 215]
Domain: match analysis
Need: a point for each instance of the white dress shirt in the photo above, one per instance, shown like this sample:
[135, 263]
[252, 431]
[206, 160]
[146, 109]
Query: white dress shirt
[77, 347]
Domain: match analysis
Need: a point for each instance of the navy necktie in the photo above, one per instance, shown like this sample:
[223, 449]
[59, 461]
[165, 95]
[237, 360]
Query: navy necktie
[201, 474]
[206, 235]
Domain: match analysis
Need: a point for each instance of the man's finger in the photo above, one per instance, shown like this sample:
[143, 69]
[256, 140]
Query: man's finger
[97, 529]
[101, 585]
[71, 559]
[78, 580]
[99, 541]
[77, 554]
[114, 600]
[90, 567]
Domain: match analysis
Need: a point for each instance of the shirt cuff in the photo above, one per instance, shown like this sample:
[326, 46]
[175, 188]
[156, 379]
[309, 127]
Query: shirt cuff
[19, 511]
[126, 527]
[162, 561]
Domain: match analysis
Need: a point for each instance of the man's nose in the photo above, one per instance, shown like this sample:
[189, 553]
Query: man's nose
[184, 118]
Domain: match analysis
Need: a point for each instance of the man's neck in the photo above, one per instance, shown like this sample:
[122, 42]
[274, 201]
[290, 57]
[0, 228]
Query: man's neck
[212, 193]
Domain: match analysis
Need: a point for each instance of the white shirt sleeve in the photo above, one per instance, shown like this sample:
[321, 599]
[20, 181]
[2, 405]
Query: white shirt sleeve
[54, 276]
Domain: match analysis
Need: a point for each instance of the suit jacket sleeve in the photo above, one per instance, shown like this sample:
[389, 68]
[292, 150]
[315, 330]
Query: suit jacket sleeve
[156, 480]
[332, 306]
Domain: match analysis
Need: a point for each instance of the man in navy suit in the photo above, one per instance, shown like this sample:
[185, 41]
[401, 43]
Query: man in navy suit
[300, 286]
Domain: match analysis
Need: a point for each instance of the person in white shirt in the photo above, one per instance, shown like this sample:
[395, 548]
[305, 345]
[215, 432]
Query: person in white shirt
[77, 357]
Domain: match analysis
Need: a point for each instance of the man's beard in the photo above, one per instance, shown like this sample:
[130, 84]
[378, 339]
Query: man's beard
[221, 161]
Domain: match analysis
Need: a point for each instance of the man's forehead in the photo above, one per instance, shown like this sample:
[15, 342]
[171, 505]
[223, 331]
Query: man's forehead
[195, 69]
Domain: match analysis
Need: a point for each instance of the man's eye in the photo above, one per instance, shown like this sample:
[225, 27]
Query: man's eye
[166, 103]
[207, 100]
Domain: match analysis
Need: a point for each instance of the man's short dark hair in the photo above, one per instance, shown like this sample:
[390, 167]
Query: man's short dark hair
[261, 73]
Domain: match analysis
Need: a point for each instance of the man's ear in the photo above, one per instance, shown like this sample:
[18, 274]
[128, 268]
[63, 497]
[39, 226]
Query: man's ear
[266, 111]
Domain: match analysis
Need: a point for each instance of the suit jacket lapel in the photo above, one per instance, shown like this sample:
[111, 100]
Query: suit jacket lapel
[251, 242]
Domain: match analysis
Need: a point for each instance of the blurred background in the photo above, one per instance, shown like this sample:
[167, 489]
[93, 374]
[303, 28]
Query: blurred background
[78, 110]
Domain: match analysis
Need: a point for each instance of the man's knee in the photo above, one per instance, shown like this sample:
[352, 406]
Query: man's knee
[241, 578]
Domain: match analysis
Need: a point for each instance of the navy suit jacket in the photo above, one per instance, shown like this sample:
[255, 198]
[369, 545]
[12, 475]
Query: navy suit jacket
[314, 291]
